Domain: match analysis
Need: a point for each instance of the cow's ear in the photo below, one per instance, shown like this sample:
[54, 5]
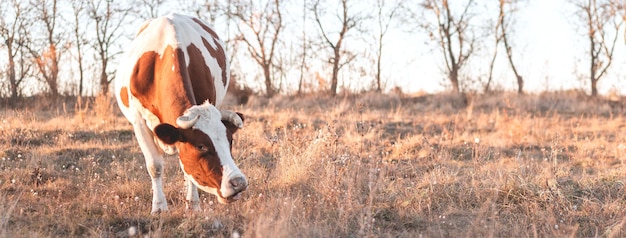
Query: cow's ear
[230, 126]
[168, 133]
[241, 116]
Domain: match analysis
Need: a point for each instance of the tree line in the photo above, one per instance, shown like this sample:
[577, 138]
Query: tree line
[67, 46]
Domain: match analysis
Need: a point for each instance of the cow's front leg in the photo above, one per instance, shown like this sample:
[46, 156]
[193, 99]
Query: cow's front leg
[193, 200]
[154, 164]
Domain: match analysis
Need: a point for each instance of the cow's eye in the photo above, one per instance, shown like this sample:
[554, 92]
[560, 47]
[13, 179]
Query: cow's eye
[201, 148]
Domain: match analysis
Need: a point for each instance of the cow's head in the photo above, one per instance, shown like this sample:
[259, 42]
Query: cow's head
[203, 137]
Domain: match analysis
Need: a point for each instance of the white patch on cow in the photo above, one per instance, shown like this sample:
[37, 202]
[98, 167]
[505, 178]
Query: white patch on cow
[168, 149]
[151, 120]
[210, 123]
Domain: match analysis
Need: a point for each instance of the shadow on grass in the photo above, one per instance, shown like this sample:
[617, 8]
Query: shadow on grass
[37, 138]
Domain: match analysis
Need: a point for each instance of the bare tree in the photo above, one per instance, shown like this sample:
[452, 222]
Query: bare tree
[151, 8]
[505, 31]
[347, 22]
[385, 14]
[108, 18]
[260, 29]
[453, 34]
[209, 10]
[305, 46]
[13, 35]
[78, 11]
[502, 33]
[623, 8]
[497, 39]
[600, 20]
[47, 59]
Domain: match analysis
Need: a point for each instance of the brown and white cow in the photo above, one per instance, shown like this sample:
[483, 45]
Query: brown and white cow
[169, 84]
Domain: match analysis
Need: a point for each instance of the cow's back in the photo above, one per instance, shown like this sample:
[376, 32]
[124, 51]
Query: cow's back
[172, 59]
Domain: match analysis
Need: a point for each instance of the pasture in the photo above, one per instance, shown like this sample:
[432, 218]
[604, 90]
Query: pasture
[502, 165]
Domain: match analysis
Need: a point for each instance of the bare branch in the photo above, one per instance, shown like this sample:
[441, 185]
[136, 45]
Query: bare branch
[13, 34]
[260, 29]
[108, 20]
[599, 17]
[347, 21]
[453, 35]
[318, 21]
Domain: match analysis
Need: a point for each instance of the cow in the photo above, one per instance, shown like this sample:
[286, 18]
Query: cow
[169, 85]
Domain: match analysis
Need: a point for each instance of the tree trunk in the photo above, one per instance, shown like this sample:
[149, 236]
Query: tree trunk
[12, 76]
[378, 67]
[491, 65]
[593, 67]
[80, 72]
[520, 85]
[104, 79]
[79, 52]
[594, 88]
[454, 79]
[269, 88]
[55, 73]
[379, 58]
[334, 81]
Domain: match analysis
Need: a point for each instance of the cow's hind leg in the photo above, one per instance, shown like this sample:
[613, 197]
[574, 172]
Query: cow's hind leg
[154, 164]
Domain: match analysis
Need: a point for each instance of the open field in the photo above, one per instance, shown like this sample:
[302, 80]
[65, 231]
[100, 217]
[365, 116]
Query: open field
[549, 165]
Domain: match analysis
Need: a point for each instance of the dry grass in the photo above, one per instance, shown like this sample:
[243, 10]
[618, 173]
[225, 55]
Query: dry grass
[359, 166]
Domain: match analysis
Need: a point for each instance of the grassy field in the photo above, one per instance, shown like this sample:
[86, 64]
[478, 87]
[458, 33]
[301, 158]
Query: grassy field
[502, 165]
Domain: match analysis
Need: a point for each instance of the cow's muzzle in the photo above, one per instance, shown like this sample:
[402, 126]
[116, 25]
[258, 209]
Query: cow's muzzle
[238, 185]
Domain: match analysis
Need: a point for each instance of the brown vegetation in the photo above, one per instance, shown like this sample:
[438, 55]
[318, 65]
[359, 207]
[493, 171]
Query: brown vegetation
[367, 165]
